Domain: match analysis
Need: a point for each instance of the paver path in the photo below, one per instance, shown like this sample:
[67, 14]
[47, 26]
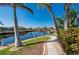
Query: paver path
[53, 47]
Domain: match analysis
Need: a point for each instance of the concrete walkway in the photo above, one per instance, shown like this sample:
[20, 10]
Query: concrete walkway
[53, 47]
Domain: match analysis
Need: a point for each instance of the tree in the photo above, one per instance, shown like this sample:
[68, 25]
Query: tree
[15, 5]
[1, 28]
[53, 17]
[67, 9]
[73, 16]
[60, 22]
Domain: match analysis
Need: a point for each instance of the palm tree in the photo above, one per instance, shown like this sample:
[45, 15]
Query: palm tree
[15, 5]
[17, 39]
[53, 17]
[67, 9]
[60, 22]
[73, 16]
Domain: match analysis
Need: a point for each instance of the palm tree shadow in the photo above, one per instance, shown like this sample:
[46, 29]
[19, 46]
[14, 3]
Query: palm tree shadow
[56, 40]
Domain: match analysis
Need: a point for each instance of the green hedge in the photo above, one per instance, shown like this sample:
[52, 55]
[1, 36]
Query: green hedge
[70, 41]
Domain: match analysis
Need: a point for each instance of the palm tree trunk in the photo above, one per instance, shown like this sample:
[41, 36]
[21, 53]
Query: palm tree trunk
[67, 13]
[67, 18]
[65, 23]
[56, 25]
[17, 39]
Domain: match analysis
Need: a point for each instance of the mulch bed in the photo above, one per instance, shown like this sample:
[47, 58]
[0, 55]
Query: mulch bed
[33, 50]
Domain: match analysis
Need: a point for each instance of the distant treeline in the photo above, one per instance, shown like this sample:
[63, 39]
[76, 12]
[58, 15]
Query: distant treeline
[50, 30]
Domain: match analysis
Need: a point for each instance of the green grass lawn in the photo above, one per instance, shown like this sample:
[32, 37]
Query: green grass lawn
[27, 44]
[41, 39]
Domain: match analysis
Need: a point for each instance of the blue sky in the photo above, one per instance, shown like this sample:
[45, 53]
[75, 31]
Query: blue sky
[40, 18]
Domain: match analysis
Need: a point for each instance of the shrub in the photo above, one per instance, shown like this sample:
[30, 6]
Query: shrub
[70, 40]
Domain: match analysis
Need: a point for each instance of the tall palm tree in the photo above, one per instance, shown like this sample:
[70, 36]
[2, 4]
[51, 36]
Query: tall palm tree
[67, 9]
[53, 17]
[15, 5]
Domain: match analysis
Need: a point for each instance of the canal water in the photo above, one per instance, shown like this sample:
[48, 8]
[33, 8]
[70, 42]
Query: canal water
[29, 35]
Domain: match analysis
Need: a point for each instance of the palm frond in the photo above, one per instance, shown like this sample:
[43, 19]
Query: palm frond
[48, 6]
[44, 5]
[24, 7]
